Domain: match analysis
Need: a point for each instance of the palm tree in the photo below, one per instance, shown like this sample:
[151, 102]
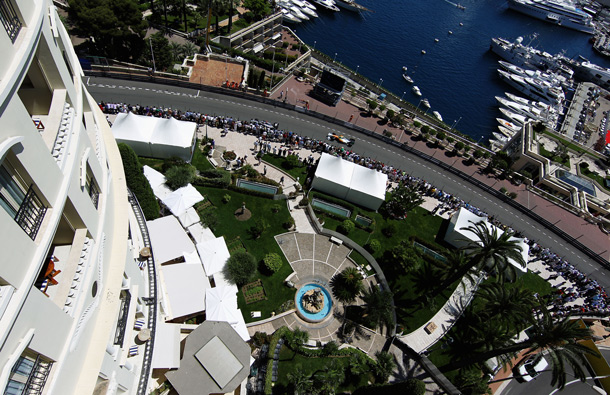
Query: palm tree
[347, 285]
[328, 379]
[507, 305]
[558, 338]
[385, 365]
[379, 307]
[188, 49]
[176, 51]
[489, 252]
[300, 380]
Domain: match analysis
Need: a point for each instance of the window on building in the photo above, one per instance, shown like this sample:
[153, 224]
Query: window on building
[92, 189]
[20, 201]
[29, 374]
[10, 19]
[122, 320]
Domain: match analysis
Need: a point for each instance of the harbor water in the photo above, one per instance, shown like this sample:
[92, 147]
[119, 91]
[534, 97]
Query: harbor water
[458, 73]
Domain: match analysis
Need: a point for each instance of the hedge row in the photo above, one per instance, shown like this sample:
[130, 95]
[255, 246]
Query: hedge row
[334, 200]
[213, 178]
[138, 183]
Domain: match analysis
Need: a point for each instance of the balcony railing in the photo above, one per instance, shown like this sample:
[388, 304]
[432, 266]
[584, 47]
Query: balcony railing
[38, 377]
[31, 213]
[9, 19]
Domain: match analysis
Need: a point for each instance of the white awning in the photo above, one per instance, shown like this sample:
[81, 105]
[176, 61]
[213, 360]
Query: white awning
[182, 199]
[200, 233]
[189, 217]
[184, 288]
[221, 305]
[166, 354]
[257, 48]
[168, 239]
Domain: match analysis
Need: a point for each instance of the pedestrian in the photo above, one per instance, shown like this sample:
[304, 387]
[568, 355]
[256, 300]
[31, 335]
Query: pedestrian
[265, 170]
[351, 117]
[282, 180]
[281, 94]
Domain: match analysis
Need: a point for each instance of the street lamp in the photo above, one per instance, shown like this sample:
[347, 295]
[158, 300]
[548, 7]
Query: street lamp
[152, 54]
[357, 67]
[380, 82]
[403, 95]
[335, 58]
[455, 124]
[314, 45]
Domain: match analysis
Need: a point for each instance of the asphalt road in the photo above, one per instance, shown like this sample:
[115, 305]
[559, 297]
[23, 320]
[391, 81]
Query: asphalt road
[147, 94]
[542, 384]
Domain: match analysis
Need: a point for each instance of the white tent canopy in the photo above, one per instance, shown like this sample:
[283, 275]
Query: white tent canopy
[155, 137]
[221, 281]
[214, 254]
[221, 305]
[189, 217]
[349, 181]
[166, 354]
[168, 239]
[184, 288]
[200, 234]
[458, 236]
[182, 199]
[157, 182]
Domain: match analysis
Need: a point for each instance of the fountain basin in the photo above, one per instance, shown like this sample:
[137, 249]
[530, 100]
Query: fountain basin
[325, 310]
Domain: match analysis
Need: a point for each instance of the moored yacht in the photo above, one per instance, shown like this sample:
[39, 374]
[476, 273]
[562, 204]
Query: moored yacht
[437, 115]
[416, 90]
[327, 4]
[534, 88]
[521, 55]
[560, 12]
[289, 16]
[407, 78]
[508, 125]
[425, 103]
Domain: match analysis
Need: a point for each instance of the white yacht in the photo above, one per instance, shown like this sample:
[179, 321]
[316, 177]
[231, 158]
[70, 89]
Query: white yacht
[437, 115]
[534, 88]
[517, 119]
[296, 11]
[506, 131]
[500, 137]
[329, 5]
[521, 55]
[407, 78]
[425, 103]
[560, 12]
[509, 125]
[289, 17]
[416, 90]
[306, 10]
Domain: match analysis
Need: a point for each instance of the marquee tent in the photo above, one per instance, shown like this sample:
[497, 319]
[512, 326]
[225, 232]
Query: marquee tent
[156, 137]
[214, 254]
[182, 199]
[349, 181]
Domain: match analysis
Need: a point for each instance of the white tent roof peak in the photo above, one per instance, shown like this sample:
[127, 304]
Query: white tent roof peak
[182, 199]
[214, 254]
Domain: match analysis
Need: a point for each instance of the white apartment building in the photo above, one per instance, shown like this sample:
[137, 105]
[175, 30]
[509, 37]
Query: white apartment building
[77, 305]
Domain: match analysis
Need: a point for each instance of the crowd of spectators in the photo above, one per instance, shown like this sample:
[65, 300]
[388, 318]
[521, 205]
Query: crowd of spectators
[577, 285]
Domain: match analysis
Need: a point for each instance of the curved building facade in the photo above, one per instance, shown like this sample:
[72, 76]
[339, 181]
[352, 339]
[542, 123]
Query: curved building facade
[72, 295]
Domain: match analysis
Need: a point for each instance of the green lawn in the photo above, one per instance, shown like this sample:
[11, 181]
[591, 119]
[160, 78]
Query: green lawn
[156, 164]
[280, 162]
[594, 176]
[277, 293]
[200, 161]
[289, 360]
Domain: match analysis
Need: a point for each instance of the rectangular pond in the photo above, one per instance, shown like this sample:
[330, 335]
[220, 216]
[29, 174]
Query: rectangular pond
[330, 207]
[364, 221]
[256, 186]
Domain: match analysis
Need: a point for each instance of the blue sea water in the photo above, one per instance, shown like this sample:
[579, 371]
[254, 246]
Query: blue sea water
[458, 74]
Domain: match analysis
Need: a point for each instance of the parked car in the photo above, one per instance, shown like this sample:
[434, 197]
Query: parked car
[532, 367]
[341, 139]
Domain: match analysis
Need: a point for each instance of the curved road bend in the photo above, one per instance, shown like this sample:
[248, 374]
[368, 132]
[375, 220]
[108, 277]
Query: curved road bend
[121, 91]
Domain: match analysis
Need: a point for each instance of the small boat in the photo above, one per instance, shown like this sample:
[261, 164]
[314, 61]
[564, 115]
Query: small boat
[506, 131]
[500, 137]
[416, 91]
[461, 24]
[407, 78]
[423, 51]
[425, 103]
[461, 7]
[509, 125]
[436, 40]
[437, 115]
[450, 32]
[404, 68]
[351, 5]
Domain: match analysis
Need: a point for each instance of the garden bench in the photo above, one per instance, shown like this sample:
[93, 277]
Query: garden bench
[336, 240]
[213, 162]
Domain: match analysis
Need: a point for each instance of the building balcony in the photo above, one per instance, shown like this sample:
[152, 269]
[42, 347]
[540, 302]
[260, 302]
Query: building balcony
[61, 277]
[31, 213]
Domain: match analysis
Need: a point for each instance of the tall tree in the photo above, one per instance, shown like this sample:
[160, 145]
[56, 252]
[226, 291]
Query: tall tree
[300, 380]
[116, 26]
[347, 285]
[557, 338]
[512, 306]
[259, 8]
[378, 308]
[384, 366]
[403, 199]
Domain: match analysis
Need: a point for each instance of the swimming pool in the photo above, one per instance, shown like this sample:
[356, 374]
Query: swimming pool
[256, 186]
[333, 208]
[306, 315]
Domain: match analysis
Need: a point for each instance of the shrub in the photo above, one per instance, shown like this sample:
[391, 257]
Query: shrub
[373, 246]
[137, 182]
[459, 145]
[347, 227]
[584, 165]
[417, 124]
[450, 139]
[209, 218]
[512, 195]
[503, 190]
[178, 176]
[389, 230]
[240, 268]
[172, 162]
[289, 223]
[229, 155]
[256, 230]
[226, 198]
[441, 135]
[273, 262]
[390, 114]
[275, 208]
[291, 161]
[303, 202]
[477, 153]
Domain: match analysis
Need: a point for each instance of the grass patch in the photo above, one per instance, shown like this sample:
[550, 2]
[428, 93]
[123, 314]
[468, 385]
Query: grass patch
[156, 164]
[594, 176]
[534, 283]
[555, 158]
[229, 227]
[569, 144]
[282, 163]
[200, 160]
